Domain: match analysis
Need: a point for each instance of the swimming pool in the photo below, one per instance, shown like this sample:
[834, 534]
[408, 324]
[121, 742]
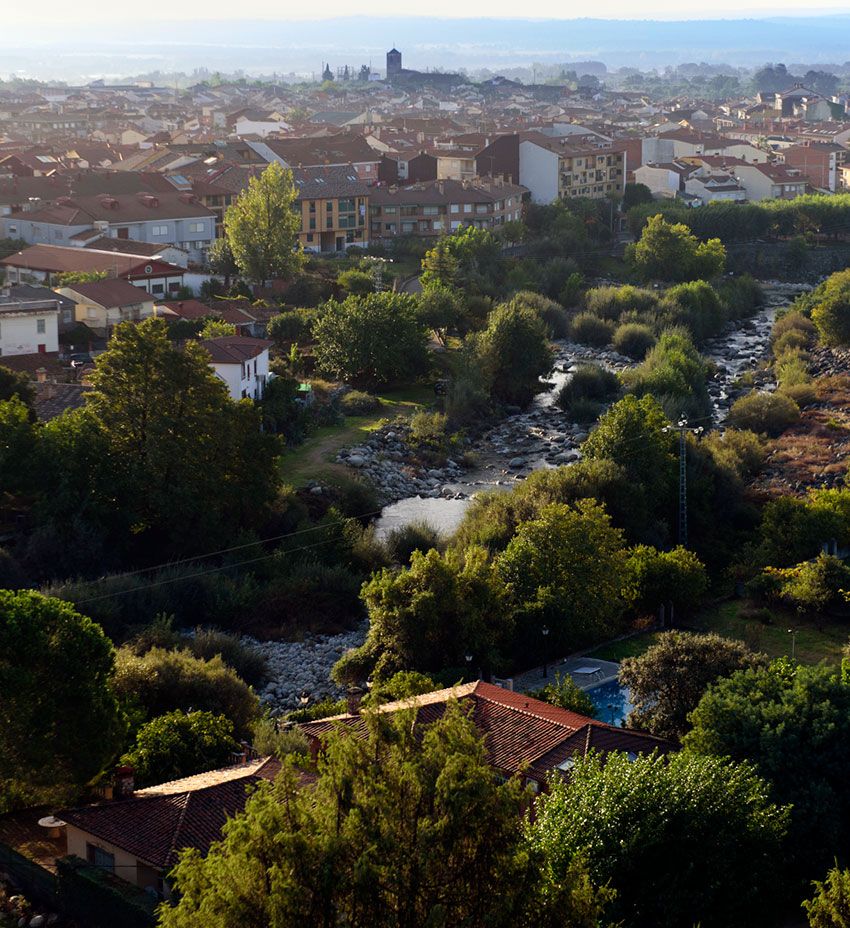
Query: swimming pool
[611, 701]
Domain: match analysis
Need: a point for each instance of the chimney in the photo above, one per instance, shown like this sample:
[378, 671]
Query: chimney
[353, 699]
[125, 783]
[41, 375]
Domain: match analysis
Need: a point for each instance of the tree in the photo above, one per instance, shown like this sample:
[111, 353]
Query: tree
[566, 694]
[830, 310]
[18, 446]
[221, 260]
[515, 352]
[262, 227]
[634, 195]
[667, 682]
[439, 310]
[70, 278]
[175, 440]
[439, 266]
[15, 384]
[655, 578]
[372, 339]
[562, 570]
[216, 328]
[683, 840]
[429, 615]
[793, 723]
[405, 826]
[670, 251]
[357, 282]
[830, 905]
[815, 585]
[60, 724]
[401, 685]
[180, 744]
[160, 681]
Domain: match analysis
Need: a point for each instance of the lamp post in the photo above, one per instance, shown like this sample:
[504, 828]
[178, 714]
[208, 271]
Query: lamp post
[793, 633]
[468, 658]
[545, 632]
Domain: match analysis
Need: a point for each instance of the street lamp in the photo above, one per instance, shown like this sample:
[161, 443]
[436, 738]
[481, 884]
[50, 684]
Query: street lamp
[793, 633]
[468, 658]
[545, 632]
[303, 698]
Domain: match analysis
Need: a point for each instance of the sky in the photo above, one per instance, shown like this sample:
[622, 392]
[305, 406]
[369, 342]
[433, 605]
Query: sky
[96, 11]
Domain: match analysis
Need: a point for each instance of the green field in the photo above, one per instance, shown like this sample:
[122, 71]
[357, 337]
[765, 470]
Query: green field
[314, 458]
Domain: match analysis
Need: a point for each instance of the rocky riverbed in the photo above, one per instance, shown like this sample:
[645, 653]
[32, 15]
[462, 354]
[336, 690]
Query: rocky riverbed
[297, 667]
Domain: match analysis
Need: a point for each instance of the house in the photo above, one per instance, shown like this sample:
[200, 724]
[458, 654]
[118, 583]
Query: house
[139, 837]
[334, 204]
[770, 181]
[819, 162]
[242, 363]
[45, 263]
[28, 326]
[256, 122]
[158, 218]
[663, 180]
[432, 208]
[343, 151]
[102, 304]
[552, 169]
[29, 292]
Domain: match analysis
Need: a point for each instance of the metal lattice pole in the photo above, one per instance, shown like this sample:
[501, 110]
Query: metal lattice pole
[682, 428]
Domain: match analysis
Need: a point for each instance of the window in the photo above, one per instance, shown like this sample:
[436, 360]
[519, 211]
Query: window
[196, 227]
[312, 206]
[467, 207]
[158, 230]
[390, 210]
[310, 235]
[40, 326]
[455, 207]
[430, 211]
[408, 226]
[100, 858]
[329, 206]
[158, 288]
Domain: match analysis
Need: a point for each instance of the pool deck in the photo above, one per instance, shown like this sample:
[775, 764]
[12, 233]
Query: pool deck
[586, 672]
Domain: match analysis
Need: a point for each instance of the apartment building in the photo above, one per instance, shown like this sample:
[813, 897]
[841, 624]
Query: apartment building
[435, 207]
[552, 169]
[334, 206]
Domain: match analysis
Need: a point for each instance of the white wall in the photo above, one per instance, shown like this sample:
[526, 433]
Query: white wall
[256, 375]
[538, 170]
[19, 333]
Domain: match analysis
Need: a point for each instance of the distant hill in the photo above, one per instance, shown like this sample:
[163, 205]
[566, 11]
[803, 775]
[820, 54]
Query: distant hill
[283, 47]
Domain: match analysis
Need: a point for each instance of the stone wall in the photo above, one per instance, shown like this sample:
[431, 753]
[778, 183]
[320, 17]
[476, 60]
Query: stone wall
[778, 261]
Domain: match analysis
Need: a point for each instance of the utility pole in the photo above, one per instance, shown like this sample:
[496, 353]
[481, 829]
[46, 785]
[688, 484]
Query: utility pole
[682, 428]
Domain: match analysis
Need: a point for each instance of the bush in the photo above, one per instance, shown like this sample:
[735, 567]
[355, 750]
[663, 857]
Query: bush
[309, 290]
[356, 282]
[588, 329]
[740, 296]
[294, 325]
[612, 302]
[272, 738]
[830, 906]
[553, 314]
[796, 322]
[161, 681]
[768, 413]
[248, 663]
[791, 370]
[634, 340]
[589, 382]
[358, 403]
[803, 394]
[180, 744]
[566, 694]
[790, 341]
[415, 536]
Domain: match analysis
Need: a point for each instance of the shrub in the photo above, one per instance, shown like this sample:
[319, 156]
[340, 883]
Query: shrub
[589, 382]
[566, 694]
[415, 536]
[792, 340]
[791, 370]
[584, 411]
[323, 709]
[553, 314]
[830, 906]
[803, 394]
[611, 302]
[161, 681]
[356, 282]
[309, 290]
[768, 413]
[634, 340]
[793, 321]
[358, 403]
[294, 325]
[588, 329]
[740, 296]
[248, 663]
[270, 737]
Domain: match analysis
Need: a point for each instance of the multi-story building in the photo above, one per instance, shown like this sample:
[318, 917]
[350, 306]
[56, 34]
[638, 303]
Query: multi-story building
[770, 181]
[819, 162]
[432, 208]
[28, 326]
[334, 206]
[553, 169]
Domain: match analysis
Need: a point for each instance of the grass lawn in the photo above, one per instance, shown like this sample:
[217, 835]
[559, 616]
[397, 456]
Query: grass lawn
[314, 459]
[815, 641]
[628, 647]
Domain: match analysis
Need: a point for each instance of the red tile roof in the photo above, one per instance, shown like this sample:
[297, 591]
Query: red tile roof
[234, 349]
[521, 733]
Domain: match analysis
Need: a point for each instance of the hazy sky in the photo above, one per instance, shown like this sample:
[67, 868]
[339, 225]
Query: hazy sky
[95, 11]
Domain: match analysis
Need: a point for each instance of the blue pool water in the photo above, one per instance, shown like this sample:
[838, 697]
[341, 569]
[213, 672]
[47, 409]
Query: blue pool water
[611, 701]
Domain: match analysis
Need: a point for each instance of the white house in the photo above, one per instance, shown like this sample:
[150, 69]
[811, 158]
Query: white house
[663, 180]
[770, 181]
[242, 363]
[28, 326]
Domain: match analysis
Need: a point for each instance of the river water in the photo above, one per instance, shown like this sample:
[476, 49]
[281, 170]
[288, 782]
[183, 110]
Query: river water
[542, 436]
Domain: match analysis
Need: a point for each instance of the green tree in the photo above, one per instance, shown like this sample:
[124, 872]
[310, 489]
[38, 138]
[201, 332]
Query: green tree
[180, 744]
[655, 578]
[815, 585]
[15, 384]
[357, 282]
[515, 353]
[562, 570]
[429, 615]
[175, 440]
[80, 277]
[60, 724]
[566, 694]
[830, 309]
[440, 310]
[221, 260]
[830, 905]
[667, 682]
[19, 443]
[371, 340]
[216, 328]
[634, 195]
[262, 227]
[404, 826]
[160, 681]
[401, 685]
[683, 840]
[793, 723]
[439, 266]
[670, 251]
